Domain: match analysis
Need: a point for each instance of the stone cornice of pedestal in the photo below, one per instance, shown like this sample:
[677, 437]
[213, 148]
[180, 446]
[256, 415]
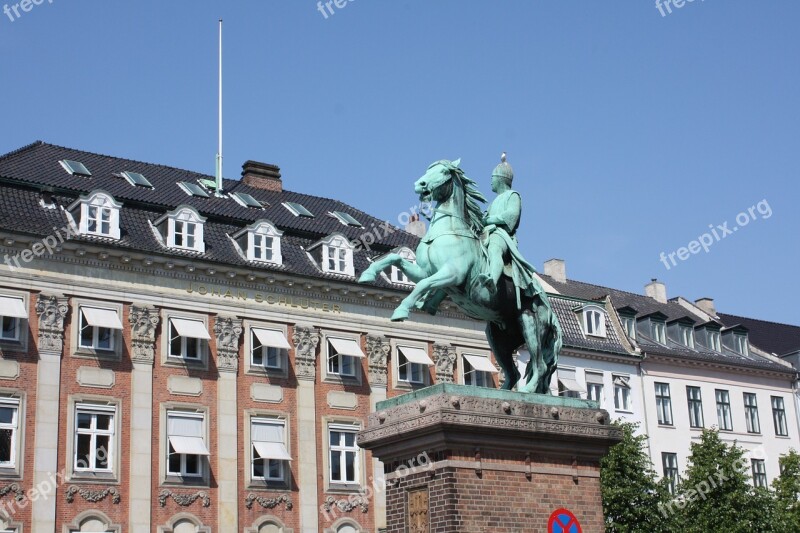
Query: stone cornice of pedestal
[447, 416]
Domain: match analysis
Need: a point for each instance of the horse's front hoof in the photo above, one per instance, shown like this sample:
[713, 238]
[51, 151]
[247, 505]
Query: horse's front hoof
[399, 314]
[367, 277]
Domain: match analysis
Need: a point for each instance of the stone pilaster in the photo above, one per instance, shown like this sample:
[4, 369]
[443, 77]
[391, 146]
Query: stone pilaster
[306, 339]
[444, 357]
[144, 322]
[228, 331]
[52, 311]
[378, 348]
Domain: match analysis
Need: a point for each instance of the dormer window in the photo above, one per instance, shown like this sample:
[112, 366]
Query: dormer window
[182, 229]
[334, 254]
[687, 335]
[261, 241]
[681, 331]
[97, 214]
[629, 325]
[657, 331]
[735, 339]
[397, 275]
[709, 337]
[740, 344]
[594, 321]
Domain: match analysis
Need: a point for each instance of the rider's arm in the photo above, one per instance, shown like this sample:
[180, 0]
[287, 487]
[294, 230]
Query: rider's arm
[509, 218]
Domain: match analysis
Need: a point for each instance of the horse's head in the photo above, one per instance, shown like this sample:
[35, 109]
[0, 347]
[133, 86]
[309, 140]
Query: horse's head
[430, 187]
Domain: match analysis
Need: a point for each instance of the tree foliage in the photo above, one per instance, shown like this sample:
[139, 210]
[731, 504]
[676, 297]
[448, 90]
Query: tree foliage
[787, 491]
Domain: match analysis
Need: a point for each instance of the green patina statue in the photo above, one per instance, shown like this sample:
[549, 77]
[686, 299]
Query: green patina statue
[473, 258]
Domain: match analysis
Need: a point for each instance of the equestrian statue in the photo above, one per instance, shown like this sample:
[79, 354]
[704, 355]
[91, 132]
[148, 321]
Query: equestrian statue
[473, 258]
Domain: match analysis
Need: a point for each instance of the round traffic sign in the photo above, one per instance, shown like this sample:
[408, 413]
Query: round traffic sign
[563, 521]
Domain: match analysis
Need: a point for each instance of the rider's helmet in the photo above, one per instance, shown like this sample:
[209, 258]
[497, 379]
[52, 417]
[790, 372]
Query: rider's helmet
[504, 170]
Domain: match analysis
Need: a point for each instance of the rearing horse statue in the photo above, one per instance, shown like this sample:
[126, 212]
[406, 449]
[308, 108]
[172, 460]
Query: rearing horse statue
[452, 260]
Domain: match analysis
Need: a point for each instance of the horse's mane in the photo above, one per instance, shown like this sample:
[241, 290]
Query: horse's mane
[473, 198]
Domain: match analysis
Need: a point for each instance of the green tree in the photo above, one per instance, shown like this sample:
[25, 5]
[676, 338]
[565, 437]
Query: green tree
[787, 490]
[631, 495]
[716, 494]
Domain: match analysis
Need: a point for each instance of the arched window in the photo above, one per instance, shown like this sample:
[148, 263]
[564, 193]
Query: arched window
[184, 523]
[594, 321]
[334, 254]
[261, 241]
[345, 525]
[182, 229]
[97, 214]
[94, 522]
[268, 524]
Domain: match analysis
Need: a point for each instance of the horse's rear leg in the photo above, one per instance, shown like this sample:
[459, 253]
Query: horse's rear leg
[536, 374]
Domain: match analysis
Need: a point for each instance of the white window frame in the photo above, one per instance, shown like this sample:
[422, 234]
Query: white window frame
[332, 355]
[629, 325]
[663, 396]
[282, 478]
[96, 330]
[595, 386]
[201, 460]
[740, 344]
[411, 369]
[471, 376]
[10, 402]
[594, 321]
[253, 239]
[100, 203]
[20, 340]
[344, 450]
[335, 255]
[622, 393]
[398, 276]
[171, 333]
[94, 410]
[78, 323]
[687, 335]
[714, 339]
[184, 215]
[658, 331]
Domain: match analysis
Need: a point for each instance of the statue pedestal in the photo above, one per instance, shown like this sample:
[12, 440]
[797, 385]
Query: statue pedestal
[462, 459]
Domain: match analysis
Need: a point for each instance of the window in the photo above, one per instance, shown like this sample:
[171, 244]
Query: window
[713, 338]
[337, 259]
[669, 462]
[246, 200]
[478, 370]
[594, 387]
[724, 410]
[695, 401]
[412, 365]
[397, 275]
[136, 179]
[344, 454]
[94, 434]
[687, 336]
[751, 413]
[268, 436]
[663, 404]
[97, 327]
[298, 210]
[186, 444]
[346, 219]
[98, 214]
[333, 254]
[182, 229]
[657, 331]
[779, 417]
[622, 393]
[568, 385]
[9, 426]
[267, 348]
[740, 344]
[186, 338]
[76, 168]
[343, 356]
[12, 313]
[261, 242]
[629, 325]
[759, 473]
[594, 322]
[193, 189]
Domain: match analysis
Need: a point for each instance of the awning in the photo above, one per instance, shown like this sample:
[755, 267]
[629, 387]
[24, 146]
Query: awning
[271, 338]
[570, 384]
[622, 382]
[194, 329]
[481, 363]
[593, 377]
[415, 355]
[272, 450]
[101, 318]
[12, 307]
[346, 347]
[188, 445]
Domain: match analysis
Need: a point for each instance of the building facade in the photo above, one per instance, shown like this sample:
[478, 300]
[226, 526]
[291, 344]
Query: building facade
[179, 359]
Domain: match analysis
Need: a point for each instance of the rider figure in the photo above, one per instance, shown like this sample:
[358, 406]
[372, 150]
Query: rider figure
[501, 222]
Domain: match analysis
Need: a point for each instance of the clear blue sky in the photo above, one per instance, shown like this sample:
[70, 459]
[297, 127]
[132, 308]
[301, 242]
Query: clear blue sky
[630, 132]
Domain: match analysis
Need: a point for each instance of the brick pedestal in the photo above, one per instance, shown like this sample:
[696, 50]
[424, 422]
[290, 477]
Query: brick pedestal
[467, 460]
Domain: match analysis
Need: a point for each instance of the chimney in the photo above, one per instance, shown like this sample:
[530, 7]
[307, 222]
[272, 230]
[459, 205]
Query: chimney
[262, 176]
[416, 227]
[707, 305]
[556, 269]
[656, 290]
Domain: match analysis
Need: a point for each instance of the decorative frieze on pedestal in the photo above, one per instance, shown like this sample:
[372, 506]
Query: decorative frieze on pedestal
[144, 322]
[227, 331]
[378, 348]
[444, 356]
[51, 310]
[305, 340]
